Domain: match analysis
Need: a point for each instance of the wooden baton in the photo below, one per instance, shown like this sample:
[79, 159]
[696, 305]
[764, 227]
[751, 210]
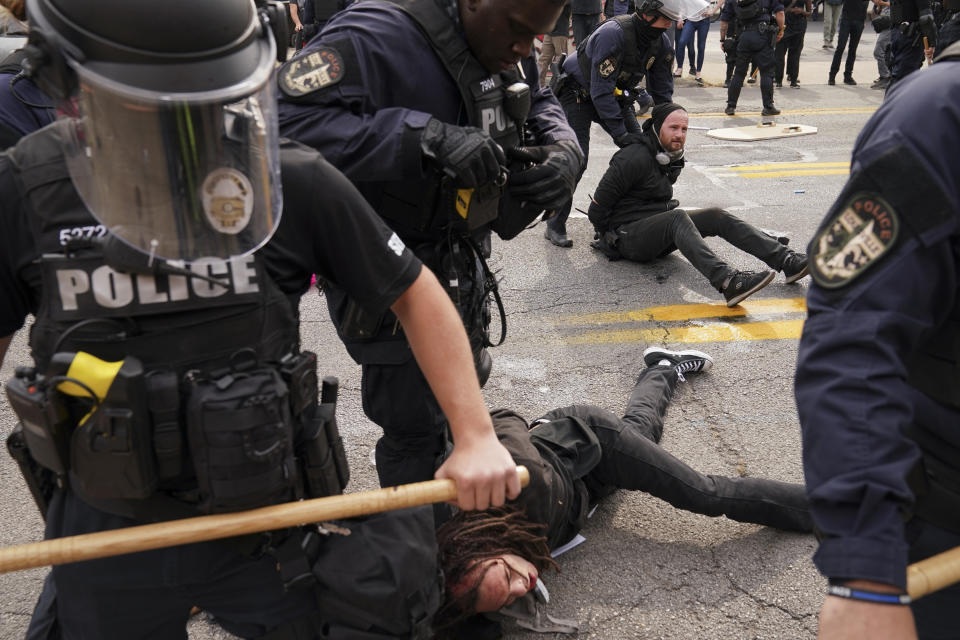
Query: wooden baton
[225, 525]
[933, 573]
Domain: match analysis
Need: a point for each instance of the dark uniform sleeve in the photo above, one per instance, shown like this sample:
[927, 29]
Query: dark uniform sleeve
[659, 76]
[546, 121]
[605, 49]
[353, 120]
[328, 228]
[885, 267]
[727, 14]
[16, 254]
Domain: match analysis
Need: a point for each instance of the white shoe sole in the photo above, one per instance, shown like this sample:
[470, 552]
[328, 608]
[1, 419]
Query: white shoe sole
[743, 296]
[797, 275]
[666, 354]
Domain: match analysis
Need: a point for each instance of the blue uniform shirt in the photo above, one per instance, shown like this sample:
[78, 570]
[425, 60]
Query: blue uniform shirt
[607, 43]
[18, 117]
[369, 123]
[886, 267]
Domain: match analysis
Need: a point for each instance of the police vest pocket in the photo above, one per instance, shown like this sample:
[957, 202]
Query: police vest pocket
[111, 450]
[241, 439]
[320, 452]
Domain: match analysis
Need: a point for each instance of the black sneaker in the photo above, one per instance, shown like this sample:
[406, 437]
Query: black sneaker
[730, 110]
[849, 80]
[745, 283]
[559, 238]
[689, 361]
[795, 267]
[794, 84]
[770, 111]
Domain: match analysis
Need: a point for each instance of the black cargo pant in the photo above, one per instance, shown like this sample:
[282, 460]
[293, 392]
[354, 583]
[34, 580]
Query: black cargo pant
[149, 595]
[632, 459]
[753, 46]
[663, 233]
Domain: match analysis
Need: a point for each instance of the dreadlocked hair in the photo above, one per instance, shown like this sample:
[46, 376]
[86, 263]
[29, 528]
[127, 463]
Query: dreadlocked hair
[473, 536]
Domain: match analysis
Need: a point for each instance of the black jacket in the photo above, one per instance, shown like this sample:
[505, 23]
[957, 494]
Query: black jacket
[634, 186]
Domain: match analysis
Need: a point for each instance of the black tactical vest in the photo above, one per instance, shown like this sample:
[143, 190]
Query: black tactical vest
[204, 362]
[173, 321]
[633, 60]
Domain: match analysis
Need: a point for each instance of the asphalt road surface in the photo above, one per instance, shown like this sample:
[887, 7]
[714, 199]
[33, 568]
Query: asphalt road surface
[577, 325]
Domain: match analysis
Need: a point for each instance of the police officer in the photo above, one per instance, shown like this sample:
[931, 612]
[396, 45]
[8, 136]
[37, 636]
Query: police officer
[879, 367]
[914, 36]
[417, 102]
[146, 237]
[755, 42]
[601, 79]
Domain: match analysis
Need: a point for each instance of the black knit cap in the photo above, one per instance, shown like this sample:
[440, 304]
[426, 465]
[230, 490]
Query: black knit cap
[659, 114]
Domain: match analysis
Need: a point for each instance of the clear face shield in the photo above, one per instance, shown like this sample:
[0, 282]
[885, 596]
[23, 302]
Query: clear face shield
[182, 176]
[683, 9]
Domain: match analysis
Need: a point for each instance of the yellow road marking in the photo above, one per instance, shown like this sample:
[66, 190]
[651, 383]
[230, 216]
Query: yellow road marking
[715, 332]
[677, 312]
[785, 112]
[787, 174]
[789, 165]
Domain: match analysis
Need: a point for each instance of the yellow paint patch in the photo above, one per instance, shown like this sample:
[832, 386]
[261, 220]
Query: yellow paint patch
[714, 332]
[790, 165]
[680, 312]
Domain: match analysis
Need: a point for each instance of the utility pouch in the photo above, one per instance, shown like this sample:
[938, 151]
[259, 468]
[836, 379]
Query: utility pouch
[357, 323]
[111, 450]
[241, 439]
[46, 422]
[323, 461]
[40, 481]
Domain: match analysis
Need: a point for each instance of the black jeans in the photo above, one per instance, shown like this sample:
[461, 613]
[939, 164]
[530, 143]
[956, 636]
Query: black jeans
[906, 55]
[852, 29]
[149, 594]
[632, 459]
[662, 233]
[789, 47]
[755, 46]
[581, 114]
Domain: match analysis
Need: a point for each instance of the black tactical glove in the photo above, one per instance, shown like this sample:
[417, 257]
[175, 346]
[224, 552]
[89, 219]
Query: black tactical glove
[467, 154]
[551, 181]
[627, 138]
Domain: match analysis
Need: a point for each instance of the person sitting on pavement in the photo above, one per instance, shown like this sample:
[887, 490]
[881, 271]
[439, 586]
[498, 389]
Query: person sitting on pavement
[577, 455]
[600, 81]
[635, 216]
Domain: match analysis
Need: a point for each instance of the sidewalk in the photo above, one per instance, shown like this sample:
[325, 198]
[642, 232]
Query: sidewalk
[814, 60]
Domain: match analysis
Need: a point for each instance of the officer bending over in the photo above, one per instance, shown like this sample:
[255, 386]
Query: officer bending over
[635, 216]
[878, 370]
[601, 80]
[145, 235]
[576, 456]
[760, 26]
[419, 102]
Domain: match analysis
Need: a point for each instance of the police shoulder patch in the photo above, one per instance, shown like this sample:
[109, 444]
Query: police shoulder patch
[860, 233]
[309, 72]
[607, 67]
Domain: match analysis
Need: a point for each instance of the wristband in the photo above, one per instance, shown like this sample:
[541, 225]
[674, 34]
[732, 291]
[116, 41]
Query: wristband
[863, 595]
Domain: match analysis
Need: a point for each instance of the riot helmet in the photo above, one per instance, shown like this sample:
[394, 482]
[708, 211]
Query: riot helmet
[173, 139]
[674, 9]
